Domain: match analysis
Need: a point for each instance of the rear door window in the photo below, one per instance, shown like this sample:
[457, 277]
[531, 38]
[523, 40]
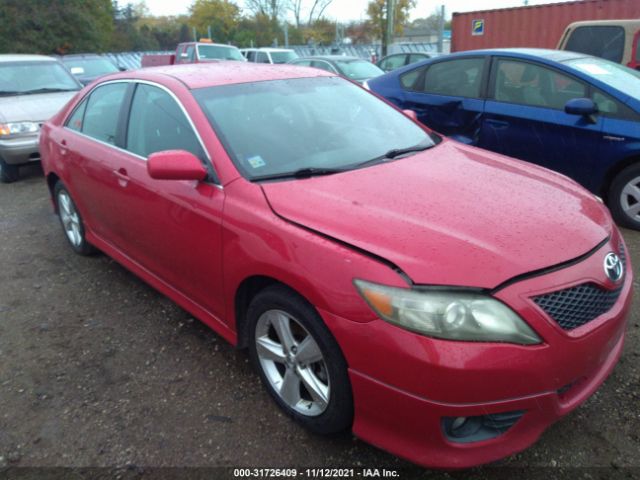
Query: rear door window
[323, 65]
[458, 78]
[262, 58]
[600, 41]
[534, 85]
[157, 123]
[393, 62]
[103, 112]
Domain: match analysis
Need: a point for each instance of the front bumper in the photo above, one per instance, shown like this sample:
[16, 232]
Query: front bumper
[404, 384]
[17, 151]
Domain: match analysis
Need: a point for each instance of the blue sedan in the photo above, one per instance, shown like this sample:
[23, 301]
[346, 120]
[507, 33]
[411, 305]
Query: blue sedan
[573, 113]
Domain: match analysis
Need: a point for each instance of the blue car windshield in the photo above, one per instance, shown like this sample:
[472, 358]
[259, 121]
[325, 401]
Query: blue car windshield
[614, 75]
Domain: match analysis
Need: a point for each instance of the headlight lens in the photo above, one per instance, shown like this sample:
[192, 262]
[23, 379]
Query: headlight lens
[448, 314]
[18, 128]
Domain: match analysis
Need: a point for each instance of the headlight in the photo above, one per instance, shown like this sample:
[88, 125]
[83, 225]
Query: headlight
[18, 128]
[448, 314]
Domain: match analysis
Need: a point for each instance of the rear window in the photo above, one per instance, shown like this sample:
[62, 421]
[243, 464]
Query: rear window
[600, 41]
[219, 52]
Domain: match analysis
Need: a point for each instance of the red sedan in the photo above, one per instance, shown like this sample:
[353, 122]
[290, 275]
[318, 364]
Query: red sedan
[445, 303]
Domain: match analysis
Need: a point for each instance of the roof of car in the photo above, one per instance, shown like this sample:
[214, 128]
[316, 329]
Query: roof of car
[26, 58]
[269, 49]
[200, 75]
[81, 55]
[554, 55]
[331, 58]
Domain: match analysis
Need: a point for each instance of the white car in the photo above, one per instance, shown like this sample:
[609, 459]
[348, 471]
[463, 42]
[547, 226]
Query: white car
[269, 55]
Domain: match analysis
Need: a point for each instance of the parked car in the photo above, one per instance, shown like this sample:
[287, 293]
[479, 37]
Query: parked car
[397, 60]
[576, 114]
[615, 40]
[194, 52]
[269, 55]
[353, 68]
[87, 67]
[32, 89]
[446, 303]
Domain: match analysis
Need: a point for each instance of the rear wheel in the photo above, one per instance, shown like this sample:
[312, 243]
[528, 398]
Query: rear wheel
[71, 221]
[8, 173]
[624, 197]
[299, 361]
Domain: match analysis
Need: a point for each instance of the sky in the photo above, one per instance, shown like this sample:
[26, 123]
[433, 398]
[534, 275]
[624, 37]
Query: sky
[345, 10]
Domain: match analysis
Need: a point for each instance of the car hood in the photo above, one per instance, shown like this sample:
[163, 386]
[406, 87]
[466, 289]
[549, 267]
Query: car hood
[452, 215]
[32, 108]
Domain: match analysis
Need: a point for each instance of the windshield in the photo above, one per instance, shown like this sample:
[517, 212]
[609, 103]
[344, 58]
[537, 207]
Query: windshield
[283, 57]
[90, 67]
[284, 126]
[20, 78]
[358, 69]
[219, 52]
[614, 75]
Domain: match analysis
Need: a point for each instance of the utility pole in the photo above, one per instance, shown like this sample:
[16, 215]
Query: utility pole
[209, 31]
[390, 29]
[286, 34]
[193, 29]
[441, 30]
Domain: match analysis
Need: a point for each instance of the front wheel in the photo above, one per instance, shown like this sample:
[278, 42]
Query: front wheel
[624, 197]
[299, 361]
[71, 221]
[8, 173]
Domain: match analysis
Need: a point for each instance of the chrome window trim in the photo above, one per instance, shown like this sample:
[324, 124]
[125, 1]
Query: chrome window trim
[215, 181]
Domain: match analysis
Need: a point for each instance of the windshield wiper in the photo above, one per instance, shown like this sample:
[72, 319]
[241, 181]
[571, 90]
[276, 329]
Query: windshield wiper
[48, 90]
[300, 173]
[395, 153]
[7, 93]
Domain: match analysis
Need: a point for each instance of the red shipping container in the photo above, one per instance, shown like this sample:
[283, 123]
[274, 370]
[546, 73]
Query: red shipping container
[539, 26]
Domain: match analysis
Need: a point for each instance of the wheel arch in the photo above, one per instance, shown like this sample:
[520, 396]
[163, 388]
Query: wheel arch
[613, 172]
[52, 179]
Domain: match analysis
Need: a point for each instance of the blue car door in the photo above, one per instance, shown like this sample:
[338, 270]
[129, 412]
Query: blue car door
[447, 96]
[524, 117]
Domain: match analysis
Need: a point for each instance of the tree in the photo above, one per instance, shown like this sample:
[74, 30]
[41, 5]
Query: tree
[223, 16]
[314, 8]
[273, 9]
[377, 12]
[55, 26]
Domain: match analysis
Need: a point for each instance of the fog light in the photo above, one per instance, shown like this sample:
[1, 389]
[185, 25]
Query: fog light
[478, 428]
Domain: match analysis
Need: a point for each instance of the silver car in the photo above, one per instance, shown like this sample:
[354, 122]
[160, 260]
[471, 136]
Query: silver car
[32, 89]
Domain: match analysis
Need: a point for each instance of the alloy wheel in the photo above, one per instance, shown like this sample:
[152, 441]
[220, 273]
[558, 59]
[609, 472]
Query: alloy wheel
[293, 363]
[70, 218]
[630, 199]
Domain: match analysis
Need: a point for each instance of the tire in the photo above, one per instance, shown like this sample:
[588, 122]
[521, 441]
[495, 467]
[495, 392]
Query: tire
[314, 386]
[624, 197]
[71, 221]
[8, 173]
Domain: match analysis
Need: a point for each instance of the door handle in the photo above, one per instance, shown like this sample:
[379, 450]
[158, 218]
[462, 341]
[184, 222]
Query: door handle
[63, 149]
[497, 123]
[122, 176]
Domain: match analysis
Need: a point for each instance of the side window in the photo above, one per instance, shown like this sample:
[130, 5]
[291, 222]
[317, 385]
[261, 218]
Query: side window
[410, 79]
[303, 63]
[156, 123]
[103, 111]
[251, 56]
[393, 62]
[74, 122]
[323, 66]
[609, 106]
[458, 78]
[262, 57]
[601, 41]
[416, 57]
[535, 85]
[191, 54]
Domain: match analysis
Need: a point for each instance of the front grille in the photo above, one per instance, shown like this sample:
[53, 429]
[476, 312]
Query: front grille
[573, 307]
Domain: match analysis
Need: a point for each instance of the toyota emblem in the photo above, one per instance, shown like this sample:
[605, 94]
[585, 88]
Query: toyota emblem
[613, 267]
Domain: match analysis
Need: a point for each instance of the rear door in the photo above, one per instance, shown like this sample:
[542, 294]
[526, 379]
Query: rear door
[525, 118]
[89, 143]
[448, 95]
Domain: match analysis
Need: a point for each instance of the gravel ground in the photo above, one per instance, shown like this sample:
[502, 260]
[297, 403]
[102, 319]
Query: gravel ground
[99, 370]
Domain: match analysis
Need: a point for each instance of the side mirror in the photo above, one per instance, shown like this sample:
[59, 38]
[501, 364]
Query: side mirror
[175, 165]
[411, 114]
[581, 106]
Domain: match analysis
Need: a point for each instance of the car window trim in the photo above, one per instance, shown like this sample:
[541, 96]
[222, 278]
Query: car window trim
[491, 91]
[212, 176]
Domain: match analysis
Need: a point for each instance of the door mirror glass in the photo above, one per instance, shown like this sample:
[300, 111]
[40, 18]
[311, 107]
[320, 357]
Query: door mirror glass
[581, 106]
[175, 165]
